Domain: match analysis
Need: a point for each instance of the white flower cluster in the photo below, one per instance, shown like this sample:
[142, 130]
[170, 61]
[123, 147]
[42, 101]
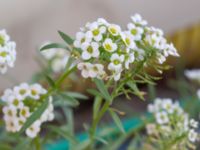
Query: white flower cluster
[193, 74]
[7, 52]
[107, 50]
[21, 102]
[57, 58]
[171, 121]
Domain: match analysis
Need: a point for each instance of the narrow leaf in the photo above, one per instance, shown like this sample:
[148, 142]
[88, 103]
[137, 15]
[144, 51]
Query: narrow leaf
[66, 38]
[117, 120]
[135, 90]
[53, 45]
[76, 95]
[50, 81]
[96, 105]
[63, 133]
[102, 88]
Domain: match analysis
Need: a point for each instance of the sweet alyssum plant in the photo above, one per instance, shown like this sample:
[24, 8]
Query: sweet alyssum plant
[114, 59]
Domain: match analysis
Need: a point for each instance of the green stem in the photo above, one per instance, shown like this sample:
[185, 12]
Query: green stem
[97, 120]
[37, 143]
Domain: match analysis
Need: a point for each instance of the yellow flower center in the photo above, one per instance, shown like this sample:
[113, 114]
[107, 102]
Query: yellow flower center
[3, 54]
[108, 47]
[134, 31]
[90, 49]
[116, 61]
[95, 32]
[16, 102]
[22, 91]
[33, 92]
[2, 41]
[113, 30]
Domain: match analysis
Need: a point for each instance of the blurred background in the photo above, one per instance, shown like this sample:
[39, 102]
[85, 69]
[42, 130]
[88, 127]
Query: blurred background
[30, 23]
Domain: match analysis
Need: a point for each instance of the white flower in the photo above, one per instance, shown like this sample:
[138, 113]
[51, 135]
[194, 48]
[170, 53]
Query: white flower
[128, 40]
[4, 37]
[116, 62]
[192, 135]
[168, 105]
[34, 129]
[90, 50]
[136, 32]
[97, 70]
[96, 31]
[85, 68]
[24, 112]
[9, 111]
[194, 123]
[162, 117]
[137, 19]
[7, 93]
[36, 90]
[7, 52]
[12, 124]
[102, 21]
[109, 45]
[170, 50]
[114, 29]
[15, 101]
[82, 38]
[22, 91]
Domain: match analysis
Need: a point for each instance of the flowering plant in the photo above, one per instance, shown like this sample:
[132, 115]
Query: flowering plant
[115, 60]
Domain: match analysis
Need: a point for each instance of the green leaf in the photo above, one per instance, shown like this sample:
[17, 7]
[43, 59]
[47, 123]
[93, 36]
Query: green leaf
[76, 95]
[94, 92]
[135, 89]
[34, 116]
[70, 119]
[82, 146]
[102, 88]
[53, 45]
[101, 140]
[117, 120]
[63, 133]
[68, 99]
[22, 144]
[66, 38]
[96, 105]
[50, 81]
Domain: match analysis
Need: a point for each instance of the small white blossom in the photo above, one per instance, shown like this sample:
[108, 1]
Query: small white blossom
[137, 19]
[7, 52]
[193, 74]
[109, 45]
[85, 68]
[135, 32]
[162, 118]
[192, 135]
[116, 62]
[82, 38]
[114, 29]
[34, 129]
[90, 50]
[96, 31]
[194, 123]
